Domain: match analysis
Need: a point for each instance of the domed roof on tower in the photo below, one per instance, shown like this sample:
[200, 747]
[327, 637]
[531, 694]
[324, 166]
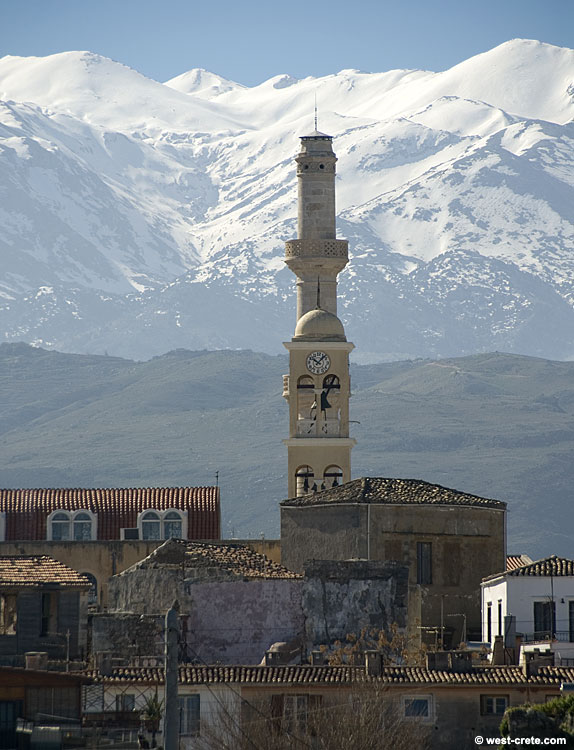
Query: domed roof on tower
[319, 325]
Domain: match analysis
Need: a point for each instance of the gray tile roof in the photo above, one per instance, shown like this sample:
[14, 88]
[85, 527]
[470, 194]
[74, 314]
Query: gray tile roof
[329, 675]
[392, 492]
[233, 558]
[32, 571]
[549, 566]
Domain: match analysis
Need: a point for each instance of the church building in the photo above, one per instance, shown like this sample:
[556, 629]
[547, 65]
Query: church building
[449, 540]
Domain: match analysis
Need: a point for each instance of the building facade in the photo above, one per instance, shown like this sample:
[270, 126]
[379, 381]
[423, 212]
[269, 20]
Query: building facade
[43, 608]
[539, 597]
[444, 708]
[446, 538]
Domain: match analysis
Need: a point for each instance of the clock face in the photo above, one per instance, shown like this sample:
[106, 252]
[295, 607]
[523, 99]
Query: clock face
[318, 363]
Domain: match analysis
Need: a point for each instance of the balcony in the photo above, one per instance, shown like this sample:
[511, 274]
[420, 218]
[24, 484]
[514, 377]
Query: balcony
[318, 428]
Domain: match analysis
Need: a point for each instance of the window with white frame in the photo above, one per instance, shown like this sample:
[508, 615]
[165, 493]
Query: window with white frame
[151, 525]
[417, 707]
[78, 526]
[167, 524]
[189, 710]
[172, 525]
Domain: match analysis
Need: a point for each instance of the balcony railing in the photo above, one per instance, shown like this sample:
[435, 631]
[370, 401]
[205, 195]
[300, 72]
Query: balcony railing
[318, 428]
[564, 636]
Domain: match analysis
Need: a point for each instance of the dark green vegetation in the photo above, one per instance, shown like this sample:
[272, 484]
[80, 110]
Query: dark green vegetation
[552, 719]
[497, 425]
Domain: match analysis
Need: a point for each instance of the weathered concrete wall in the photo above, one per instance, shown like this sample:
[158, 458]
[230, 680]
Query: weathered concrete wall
[127, 634]
[468, 544]
[340, 598]
[337, 532]
[271, 548]
[235, 622]
[223, 619]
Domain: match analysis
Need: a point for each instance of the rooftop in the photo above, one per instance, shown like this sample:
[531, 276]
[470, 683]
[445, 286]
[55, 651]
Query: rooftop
[549, 566]
[517, 561]
[116, 507]
[393, 492]
[29, 571]
[234, 558]
[327, 675]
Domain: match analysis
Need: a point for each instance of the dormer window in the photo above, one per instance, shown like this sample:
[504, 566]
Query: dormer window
[60, 531]
[172, 525]
[167, 524]
[151, 525]
[82, 527]
[77, 526]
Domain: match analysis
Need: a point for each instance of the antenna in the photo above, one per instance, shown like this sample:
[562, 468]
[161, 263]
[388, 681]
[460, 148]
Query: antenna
[316, 128]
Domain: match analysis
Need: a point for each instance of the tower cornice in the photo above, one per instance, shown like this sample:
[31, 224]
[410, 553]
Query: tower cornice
[313, 344]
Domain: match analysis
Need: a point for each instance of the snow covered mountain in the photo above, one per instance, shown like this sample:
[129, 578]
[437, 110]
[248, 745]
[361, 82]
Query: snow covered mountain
[139, 217]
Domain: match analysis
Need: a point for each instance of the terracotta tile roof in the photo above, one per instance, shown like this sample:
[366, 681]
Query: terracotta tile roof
[549, 566]
[234, 558]
[116, 508]
[329, 675]
[517, 561]
[28, 571]
[392, 491]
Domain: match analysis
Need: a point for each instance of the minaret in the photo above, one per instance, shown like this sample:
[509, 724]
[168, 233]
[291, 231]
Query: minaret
[318, 385]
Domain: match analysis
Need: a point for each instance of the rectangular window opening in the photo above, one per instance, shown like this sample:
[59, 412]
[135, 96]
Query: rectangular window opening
[424, 562]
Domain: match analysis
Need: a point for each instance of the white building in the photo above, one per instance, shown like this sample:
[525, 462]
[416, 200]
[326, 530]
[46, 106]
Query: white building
[540, 595]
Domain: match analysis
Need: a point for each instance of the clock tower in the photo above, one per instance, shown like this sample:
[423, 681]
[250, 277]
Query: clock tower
[318, 385]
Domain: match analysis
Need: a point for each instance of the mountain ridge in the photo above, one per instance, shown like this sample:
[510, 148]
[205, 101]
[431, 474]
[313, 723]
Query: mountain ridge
[494, 425]
[129, 205]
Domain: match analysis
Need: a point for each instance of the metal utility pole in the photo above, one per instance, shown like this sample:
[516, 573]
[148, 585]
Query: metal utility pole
[171, 713]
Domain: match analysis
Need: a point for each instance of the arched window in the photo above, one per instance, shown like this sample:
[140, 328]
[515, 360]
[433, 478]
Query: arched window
[163, 524]
[151, 525]
[93, 593]
[78, 526]
[305, 480]
[332, 477]
[306, 405]
[172, 525]
[332, 382]
[82, 527]
[330, 415]
[59, 526]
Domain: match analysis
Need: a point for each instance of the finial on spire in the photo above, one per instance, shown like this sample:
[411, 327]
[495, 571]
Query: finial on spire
[316, 128]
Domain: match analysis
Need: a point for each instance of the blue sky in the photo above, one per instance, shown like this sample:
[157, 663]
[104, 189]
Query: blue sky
[250, 41]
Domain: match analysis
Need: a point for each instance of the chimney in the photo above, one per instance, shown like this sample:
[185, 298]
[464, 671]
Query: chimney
[509, 631]
[317, 657]
[374, 663]
[533, 660]
[104, 662]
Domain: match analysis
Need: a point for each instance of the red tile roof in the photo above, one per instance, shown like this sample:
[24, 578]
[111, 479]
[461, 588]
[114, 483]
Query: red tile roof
[549, 566]
[326, 675]
[517, 561]
[116, 508]
[30, 571]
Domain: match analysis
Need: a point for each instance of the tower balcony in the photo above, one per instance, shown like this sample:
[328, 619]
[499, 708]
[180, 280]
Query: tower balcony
[318, 428]
[317, 248]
